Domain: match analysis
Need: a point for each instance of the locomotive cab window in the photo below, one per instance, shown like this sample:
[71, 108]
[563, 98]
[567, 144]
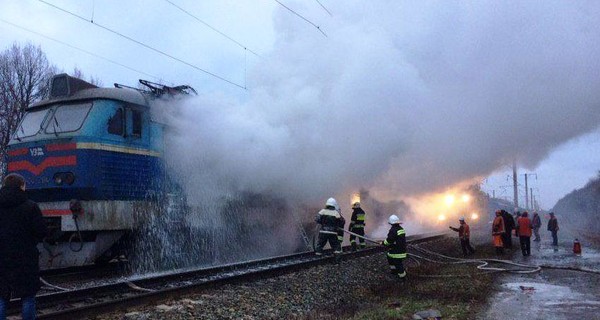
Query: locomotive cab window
[136, 123]
[116, 123]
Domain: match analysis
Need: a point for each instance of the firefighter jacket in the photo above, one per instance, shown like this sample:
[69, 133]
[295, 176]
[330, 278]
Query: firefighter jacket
[524, 226]
[464, 232]
[358, 218]
[330, 221]
[396, 242]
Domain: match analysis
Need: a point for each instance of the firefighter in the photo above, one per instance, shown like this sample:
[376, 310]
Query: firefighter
[498, 232]
[396, 243]
[357, 225]
[331, 221]
[464, 234]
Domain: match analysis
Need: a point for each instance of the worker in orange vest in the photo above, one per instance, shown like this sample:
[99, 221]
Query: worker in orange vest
[464, 233]
[498, 232]
[524, 227]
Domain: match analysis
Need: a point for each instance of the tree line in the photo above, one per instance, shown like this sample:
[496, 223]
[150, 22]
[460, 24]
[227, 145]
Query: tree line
[25, 74]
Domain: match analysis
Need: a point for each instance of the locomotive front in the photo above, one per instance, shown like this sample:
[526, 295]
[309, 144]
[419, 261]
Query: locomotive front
[99, 147]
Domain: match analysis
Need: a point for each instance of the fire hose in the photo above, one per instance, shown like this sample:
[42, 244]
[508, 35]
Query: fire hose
[361, 237]
[483, 263]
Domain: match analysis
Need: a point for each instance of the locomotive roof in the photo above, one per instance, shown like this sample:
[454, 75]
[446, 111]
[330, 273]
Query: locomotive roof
[119, 94]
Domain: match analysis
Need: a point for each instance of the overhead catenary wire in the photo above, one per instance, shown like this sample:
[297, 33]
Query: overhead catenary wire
[212, 28]
[301, 17]
[143, 45]
[322, 6]
[79, 49]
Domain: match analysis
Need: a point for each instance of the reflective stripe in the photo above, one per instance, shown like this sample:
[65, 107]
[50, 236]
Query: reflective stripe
[358, 226]
[397, 255]
[393, 267]
[337, 252]
[402, 275]
[328, 232]
[353, 241]
[341, 238]
[401, 232]
[385, 242]
[360, 217]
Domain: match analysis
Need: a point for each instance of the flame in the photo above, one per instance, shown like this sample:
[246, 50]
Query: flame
[355, 198]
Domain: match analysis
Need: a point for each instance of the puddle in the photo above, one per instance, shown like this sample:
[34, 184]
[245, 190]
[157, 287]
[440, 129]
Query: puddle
[551, 294]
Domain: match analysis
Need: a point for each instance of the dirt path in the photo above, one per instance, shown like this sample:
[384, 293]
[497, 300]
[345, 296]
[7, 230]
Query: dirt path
[549, 294]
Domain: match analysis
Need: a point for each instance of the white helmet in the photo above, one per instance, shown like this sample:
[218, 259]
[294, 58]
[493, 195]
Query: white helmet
[461, 219]
[394, 219]
[331, 202]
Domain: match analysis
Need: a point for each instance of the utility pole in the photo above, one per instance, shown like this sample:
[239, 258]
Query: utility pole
[528, 190]
[531, 193]
[526, 194]
[515, 190]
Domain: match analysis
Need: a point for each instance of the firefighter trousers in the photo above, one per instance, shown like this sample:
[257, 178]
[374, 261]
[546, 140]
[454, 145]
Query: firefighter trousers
[397, 266]
[332, 238]
[359, 231]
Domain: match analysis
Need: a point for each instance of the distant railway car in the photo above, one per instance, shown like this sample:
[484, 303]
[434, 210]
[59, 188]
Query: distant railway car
[100, 147]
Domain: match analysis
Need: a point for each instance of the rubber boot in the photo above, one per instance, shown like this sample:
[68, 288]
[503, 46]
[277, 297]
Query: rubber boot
[353, 246]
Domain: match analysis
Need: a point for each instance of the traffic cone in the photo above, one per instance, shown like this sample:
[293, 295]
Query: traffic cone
[577, 247]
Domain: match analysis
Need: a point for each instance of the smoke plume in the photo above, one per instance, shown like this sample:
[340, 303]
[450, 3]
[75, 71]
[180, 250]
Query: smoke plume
[400, 98]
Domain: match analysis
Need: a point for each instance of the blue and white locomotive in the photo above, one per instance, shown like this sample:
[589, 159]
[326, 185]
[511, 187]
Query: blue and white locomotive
[95, 147]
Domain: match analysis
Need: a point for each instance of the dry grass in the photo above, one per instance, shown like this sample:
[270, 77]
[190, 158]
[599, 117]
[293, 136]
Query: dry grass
[457, 291]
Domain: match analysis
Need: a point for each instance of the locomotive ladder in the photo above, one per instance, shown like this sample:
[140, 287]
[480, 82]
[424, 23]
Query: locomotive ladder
[302, 231]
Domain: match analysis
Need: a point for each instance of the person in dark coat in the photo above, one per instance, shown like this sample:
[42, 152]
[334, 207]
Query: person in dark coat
[509, 225]
[21, 228]
[553, 228]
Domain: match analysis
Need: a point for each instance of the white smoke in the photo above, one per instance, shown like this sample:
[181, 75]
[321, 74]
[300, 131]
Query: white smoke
[401, 98]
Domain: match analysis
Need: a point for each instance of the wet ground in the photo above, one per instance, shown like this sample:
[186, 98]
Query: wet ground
[549, 294]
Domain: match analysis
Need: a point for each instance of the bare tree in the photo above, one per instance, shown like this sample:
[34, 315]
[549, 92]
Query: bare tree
[77, 73]
[24, 79]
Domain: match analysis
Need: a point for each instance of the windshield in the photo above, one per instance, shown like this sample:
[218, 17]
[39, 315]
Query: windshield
[68, 118]
[31, 124]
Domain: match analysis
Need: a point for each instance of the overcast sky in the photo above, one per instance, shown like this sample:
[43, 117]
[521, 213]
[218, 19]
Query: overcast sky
[409, 97]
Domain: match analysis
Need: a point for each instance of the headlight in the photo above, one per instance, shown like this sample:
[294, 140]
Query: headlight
[61, 178]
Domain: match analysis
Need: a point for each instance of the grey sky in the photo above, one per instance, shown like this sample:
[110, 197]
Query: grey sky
[402, 98]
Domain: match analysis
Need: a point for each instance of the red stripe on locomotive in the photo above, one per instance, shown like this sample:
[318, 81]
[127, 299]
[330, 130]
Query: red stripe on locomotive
[49, 162]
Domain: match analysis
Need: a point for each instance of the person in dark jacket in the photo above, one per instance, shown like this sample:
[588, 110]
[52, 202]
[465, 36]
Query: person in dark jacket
[396, 243]
[21, 228]
[357, 225]
[553, 228]
[536, 223]
[509, 225]
[464, 234]
[331, 221]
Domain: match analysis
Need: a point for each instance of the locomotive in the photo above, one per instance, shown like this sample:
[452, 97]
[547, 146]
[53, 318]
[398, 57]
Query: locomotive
[92, 159]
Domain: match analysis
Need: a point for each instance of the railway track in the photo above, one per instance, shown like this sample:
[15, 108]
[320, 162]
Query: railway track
[81, 303]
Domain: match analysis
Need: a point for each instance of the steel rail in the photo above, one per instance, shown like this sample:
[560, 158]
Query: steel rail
[79, 303]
